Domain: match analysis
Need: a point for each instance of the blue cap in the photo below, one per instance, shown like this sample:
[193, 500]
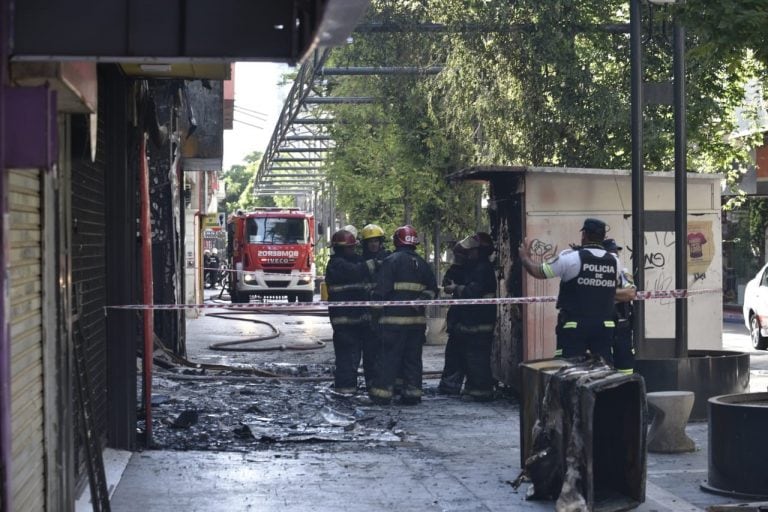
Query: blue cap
[595, 226]
[610, 245]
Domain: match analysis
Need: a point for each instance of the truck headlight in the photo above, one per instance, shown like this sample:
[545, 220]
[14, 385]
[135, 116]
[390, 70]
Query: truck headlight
[249, 278]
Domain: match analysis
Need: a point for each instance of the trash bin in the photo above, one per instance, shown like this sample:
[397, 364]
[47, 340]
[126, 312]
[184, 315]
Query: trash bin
[583, 434]
[437, 332]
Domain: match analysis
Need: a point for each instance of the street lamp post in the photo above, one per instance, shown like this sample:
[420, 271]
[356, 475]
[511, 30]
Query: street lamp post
[638, 183]
[681, 193]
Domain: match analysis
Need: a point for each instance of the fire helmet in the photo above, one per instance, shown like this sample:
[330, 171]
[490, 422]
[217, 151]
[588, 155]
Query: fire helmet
[215, 251]
[372, 231]
[483, 239]
[468, 243]
[352, 229]
[405, 236]
[343, 238]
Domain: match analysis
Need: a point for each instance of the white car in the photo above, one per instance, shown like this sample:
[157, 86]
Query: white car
[756, 309]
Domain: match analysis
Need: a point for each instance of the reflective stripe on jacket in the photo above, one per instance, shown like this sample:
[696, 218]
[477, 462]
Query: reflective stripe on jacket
[404, 275]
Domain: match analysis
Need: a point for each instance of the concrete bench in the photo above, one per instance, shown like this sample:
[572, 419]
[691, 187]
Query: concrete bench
[671, 410]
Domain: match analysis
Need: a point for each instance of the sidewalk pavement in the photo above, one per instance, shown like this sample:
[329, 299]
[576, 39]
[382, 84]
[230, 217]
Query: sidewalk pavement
[449, 455]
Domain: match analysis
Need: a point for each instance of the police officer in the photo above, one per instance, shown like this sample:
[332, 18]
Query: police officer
[623, 346]
[473, 330]
[404, 275]
[346, 277]
[588, 276]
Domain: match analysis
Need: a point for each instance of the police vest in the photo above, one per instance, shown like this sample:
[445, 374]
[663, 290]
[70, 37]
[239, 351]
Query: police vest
[590, 294]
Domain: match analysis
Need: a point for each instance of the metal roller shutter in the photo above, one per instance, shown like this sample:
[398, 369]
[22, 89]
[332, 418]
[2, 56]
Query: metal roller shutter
[25, 284]
[89, 268]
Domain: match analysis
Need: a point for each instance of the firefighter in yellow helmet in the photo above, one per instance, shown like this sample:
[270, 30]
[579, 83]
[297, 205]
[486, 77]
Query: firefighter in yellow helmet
[372, 237]
[374, 253]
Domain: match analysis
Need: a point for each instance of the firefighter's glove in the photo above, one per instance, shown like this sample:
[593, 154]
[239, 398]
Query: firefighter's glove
[454, 289]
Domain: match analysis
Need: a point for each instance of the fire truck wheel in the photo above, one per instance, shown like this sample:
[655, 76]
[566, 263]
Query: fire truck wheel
[239, 298]
[306, 297]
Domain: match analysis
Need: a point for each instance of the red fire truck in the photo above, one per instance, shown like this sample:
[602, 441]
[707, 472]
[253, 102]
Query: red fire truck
[270, 251]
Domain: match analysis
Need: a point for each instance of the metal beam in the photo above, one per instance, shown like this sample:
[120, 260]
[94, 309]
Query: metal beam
[331, 100]
[314, 168]
[272, 175]
[313, 120]
[303, 150]
[381, 70]
[291, 181]
[296, 159]
[308, 138]
[378, 27]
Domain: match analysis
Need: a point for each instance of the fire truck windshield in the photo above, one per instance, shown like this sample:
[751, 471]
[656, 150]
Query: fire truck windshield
[277, 230]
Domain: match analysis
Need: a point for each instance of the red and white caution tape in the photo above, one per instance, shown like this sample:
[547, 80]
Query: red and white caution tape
[641, 295]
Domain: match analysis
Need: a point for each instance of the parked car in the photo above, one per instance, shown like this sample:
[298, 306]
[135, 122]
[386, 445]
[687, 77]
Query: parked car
[756, 309]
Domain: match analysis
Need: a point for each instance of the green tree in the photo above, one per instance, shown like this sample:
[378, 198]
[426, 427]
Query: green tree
[239, 181]
[728, 28]
[392, 157]
[524, 83]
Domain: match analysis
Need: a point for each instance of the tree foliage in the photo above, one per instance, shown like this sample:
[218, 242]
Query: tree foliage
[392, 157]
[727, 28]
[239, 182]
[526, 82]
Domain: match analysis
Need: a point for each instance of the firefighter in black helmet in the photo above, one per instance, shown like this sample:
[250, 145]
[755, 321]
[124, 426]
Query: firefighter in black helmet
[472, 332]
[347, 279]
[404, 275]
[589, 276]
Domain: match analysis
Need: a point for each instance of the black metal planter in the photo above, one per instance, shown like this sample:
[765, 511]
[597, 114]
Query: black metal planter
[707, 373]
[737, 447]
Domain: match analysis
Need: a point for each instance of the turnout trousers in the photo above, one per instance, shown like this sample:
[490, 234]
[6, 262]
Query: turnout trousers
[468, 356]
[399, 356]
[454, 368]
[623, 347]
[348, 348]
[480, 381]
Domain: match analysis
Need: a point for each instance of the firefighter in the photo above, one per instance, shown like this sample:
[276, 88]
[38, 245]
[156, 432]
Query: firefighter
[454, 369]
[588, 276]
[347, 279]
[404, 275]
[372, 237]
[623, 346]
[473, 331]
[352, 229]
[213, 268]
[206, 266]
[374, 252]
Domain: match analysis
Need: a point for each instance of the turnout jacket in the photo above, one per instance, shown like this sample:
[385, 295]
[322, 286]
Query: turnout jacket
[380, 255]
[404, 275]
[347, 279]
[479, 283]
[454, 275]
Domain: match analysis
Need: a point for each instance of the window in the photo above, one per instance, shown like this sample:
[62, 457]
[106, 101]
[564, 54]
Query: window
[276, 230]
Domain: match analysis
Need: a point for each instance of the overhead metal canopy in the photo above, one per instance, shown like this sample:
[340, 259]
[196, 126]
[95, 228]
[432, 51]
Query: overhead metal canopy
[187, 31]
